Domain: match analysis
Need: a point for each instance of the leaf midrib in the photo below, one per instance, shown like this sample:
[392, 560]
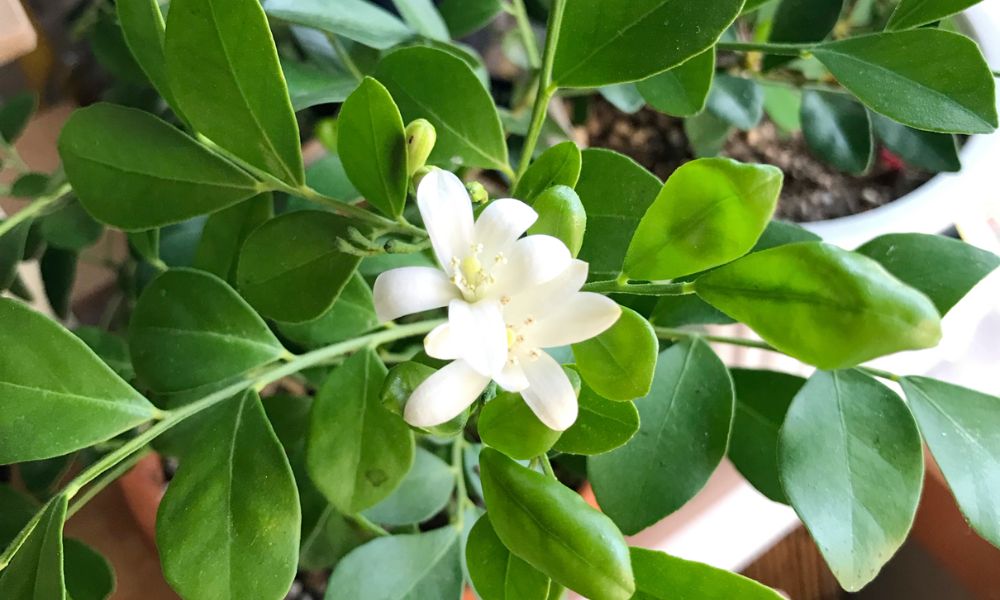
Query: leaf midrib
[129, 405]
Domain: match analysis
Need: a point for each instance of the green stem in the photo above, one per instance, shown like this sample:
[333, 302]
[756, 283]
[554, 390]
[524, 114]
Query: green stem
[364, 523]
[546, 465]
[39, 205]
[461, 495]
[779, 49]
[527, 33]
[546, 90]
[105, 480]
[345, 56]
[640, 289]
[880, 373]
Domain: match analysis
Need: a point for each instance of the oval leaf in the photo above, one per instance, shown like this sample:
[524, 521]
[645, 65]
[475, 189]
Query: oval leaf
[562, 216]
[507, 424]
[659, 576]
[495, 572]
[89, 575]
[797, 21]
[683, 90]
[737, 101]
[914, 13]
[838, 130]
[222, 238]
[356, 20]
[559, 165]
[935, 152]
[423, 493]
[619, 363]
[350, 316]
[143, 29]
[36, 570]
[601, 426]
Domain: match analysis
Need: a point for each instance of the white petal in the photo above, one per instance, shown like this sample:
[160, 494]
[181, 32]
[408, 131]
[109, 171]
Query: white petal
[410, 290]
[511, 378]
[442, 343]
[550, 395]
[581, 317]
[447, 213]
[532, 261]
[480, 334]
[538, 301]
[500, 224]
[444, 395]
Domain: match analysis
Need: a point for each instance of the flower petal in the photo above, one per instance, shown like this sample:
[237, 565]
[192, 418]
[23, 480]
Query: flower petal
[444, 395]
[532, 261]
[446, 209]
[410, 290]
[511, 378]
[480, 334]
[550, 395]
[581, 317]
[539, 300]
[442, 343]
[500, 224]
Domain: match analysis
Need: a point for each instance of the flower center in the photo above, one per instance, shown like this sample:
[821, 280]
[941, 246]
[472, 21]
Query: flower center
[471, 276]
[517, 347]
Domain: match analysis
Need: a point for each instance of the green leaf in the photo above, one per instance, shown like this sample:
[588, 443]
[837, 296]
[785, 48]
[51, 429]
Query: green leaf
[601, 426]
[604, 42]
[146, 244]
[823, 305]
[707, 134]
[762, 400]
[737, 101]
[58, 269]
[70, 227]
[508, 424]
[615, 191]
[559, 165]
[683, 90]
[619, 363]
[659, 576]
[960, 426]
[623, 96]
[110, 348]
[224, 233]
[29, 185]
[562, 216]
[425, 565]
[466, 16]
[435, 85]
[190, 329]
[838, 130]
[914, 13]
[372, 145]
[327, 176]
[354, 19]
[358, 451]
[143, 29]
[228, 525]
[16, 511]
[15, 114]
[711, 211]
[246, 109]
[310, 85]
[553, 529]
[684, 430]
[784, 107]
[852, 465]
[798, 21]
[399, 385]
[935, 152]
[943, 268]
[36, 570]
[89, 575]
[423, 493]
[351, 315]
[496, 573]
[887, 73]
[57, 389]
[291, 268]
[424, 18]
[135, 171]
[12, 246]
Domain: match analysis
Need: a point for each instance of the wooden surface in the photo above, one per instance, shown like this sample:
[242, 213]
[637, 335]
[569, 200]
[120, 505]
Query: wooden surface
[796, 568]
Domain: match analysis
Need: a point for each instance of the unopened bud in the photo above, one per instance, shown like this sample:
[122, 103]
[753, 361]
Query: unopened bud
[477, 192]
[420, 139]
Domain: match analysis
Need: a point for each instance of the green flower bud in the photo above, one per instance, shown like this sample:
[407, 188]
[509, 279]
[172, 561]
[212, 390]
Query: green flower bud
[477, 192]
[420, 139]
[561, 215]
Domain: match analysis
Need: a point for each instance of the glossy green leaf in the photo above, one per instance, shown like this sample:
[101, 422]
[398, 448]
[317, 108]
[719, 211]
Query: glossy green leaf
[327, 176]
[222, 238]
[935, 152]
[496, 573]
[89, 575]
[36, 570]
[798, 21]
[616, 192]
[914, 13]
[58, 389]
[12, 245]
[144, 30]
[400, 567]
[191, 329]
[311, 85]
[228, 525]
[372, 146]
[29, 185]
[623, 96]
[684, 430]
[604, 42]
[852, 465]
[601, 426]
[291, 268]
[838, 130]
[508, 424]
[356, 20]
[424, 18]
[432, 84]
[784, 107]
[889, 73]
[683, 90]
[619, 363]
[134, 171]
[358, 451]
[762, 400]
[246, 110]
[823, 305]
[961, 428]
[559, 165]
[553, 529]
[15, 114]
[16, 510]
[70, 227]
[58, 268]
[737, 101]
[562, 216]
[711, 211]
[943, 268]
[659, 576]
[423, 493]
[465, 16]
[350, 316]
[707, 134]
[109, 347]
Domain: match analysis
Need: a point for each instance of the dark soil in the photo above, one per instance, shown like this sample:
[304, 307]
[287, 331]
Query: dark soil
[813, 191]
[308, 586]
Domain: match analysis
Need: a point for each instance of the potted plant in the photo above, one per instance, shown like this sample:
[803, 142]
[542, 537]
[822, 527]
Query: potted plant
[401, 393]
